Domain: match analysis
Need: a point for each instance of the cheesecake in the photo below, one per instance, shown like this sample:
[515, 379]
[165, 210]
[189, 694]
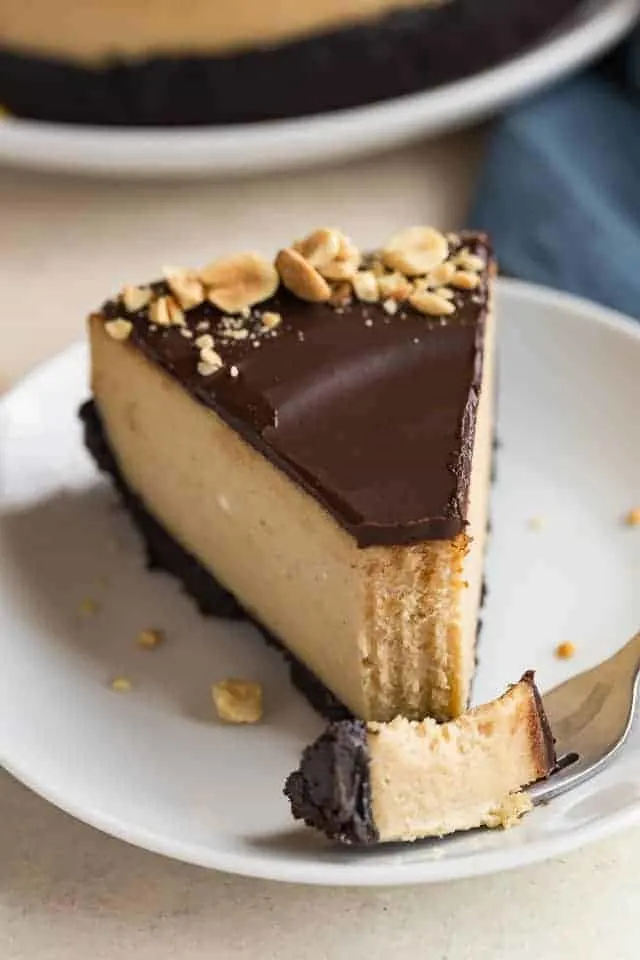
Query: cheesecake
[366, 783]
[308, 442]
[161, 63]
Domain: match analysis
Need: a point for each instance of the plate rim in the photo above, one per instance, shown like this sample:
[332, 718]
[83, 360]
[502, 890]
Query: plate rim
[270, 146]
[356, 873]
[361, 874]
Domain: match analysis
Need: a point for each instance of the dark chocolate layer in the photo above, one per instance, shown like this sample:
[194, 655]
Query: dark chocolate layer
[398, 54]
[374, 415]
[549, 759]
[165, 553]
[331, 789]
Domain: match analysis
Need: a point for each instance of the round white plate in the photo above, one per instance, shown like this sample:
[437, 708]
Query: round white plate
[277, 145]
[155, 767]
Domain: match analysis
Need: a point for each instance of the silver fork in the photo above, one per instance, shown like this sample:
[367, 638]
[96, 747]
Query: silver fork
[591, 716]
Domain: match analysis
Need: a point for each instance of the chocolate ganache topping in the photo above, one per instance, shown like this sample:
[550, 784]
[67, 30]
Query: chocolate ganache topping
[358, 377]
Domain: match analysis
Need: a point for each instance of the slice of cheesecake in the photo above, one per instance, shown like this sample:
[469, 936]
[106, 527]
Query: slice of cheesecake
[378, 782]
[313, 437]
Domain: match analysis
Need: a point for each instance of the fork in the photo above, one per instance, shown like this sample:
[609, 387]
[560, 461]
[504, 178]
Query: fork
[591, 717]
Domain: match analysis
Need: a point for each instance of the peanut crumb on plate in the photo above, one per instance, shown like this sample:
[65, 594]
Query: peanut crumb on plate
[121, 684]
[566, 650]
[632, 518]
[535, 523]
[88, 607]
[150, 639]
[238, 701]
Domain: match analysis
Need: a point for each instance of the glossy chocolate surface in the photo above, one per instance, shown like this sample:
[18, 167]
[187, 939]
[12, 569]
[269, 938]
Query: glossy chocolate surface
[373, 414]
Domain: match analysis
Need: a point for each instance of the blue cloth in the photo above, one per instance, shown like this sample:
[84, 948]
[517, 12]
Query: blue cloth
[559, 189]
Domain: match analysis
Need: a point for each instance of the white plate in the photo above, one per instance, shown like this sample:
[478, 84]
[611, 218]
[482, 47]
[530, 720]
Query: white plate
[276, 145]
[155, 768]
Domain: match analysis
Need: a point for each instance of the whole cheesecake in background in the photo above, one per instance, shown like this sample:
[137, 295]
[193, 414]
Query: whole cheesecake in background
[158, 62]
[310, 442]
[375, 783]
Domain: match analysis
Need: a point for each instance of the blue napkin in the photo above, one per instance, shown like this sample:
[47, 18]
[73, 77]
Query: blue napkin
[559, 189]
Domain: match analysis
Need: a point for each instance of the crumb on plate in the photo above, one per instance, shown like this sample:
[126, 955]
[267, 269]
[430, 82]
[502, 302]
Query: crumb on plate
[121, 684]
[632, 518]
[88, 607]
[238, 701]
[566, 650]
[150, 639]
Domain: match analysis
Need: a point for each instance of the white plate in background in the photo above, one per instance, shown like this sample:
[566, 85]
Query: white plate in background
[155, 768]
[284, 144]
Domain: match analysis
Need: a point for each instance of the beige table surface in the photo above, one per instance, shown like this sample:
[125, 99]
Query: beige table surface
[70, 893]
